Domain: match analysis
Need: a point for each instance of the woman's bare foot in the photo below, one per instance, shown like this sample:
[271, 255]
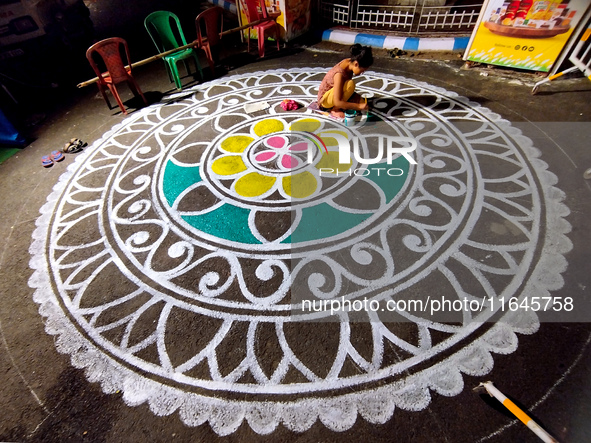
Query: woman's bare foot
[337, 113]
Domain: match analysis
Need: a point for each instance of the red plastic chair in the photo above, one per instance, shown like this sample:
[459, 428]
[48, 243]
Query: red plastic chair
[268, 23]
[211, 21]
[109, 50]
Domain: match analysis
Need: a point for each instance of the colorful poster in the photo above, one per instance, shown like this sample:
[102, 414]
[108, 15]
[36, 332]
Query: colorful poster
[526, 34]
[298, 17]
[294, 17]
[273, 7]
[18, 22]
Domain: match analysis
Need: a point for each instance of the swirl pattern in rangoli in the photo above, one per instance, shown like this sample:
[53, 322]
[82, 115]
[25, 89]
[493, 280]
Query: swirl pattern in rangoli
[172, 258]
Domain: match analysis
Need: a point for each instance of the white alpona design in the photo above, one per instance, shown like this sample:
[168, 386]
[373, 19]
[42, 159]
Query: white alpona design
[169, 273]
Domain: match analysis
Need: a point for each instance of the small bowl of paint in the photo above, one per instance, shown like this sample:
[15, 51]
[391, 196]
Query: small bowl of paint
[350, 115]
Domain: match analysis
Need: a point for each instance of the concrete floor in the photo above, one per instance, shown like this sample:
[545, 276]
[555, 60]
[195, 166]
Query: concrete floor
[44, 398]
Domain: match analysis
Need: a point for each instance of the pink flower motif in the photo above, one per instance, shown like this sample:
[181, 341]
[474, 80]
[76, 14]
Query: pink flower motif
[265, 156]
[279, 152]
[288, 162]
[301, 146]
[276, 142]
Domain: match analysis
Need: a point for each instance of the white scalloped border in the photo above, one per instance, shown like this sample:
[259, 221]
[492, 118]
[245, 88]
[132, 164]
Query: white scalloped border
[337, 413]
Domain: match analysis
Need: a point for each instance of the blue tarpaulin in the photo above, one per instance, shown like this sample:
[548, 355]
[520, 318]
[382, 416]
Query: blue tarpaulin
[8, 134]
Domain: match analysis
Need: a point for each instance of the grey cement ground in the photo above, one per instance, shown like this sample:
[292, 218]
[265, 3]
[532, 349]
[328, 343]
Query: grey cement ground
[43, 398]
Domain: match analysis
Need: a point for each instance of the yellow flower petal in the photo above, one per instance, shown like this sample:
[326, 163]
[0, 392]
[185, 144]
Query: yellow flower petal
[236, 143]
[330, 140]
[229, 165]
[300, 185]
[305, 125]
[331, 161]
[268, 126]
[254, 184]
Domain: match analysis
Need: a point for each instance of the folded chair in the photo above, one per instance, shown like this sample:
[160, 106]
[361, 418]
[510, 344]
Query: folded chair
[110, 51]
[209, 25]
[162, 26]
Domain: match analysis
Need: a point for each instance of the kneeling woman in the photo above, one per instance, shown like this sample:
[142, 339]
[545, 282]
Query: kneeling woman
[337, 90]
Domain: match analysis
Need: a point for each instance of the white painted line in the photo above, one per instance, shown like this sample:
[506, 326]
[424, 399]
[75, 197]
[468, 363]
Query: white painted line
[436, 44]
[394, 42]
[344, 37]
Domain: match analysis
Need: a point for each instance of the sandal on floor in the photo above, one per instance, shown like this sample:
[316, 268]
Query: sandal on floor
[57, 156]
[74, 145]
[46, 161]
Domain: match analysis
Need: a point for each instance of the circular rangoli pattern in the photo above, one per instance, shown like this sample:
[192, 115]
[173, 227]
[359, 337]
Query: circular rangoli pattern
[175, 257]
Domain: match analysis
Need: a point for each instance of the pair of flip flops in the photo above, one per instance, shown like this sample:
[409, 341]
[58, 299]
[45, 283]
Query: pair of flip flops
[54, 157]
[74, 145]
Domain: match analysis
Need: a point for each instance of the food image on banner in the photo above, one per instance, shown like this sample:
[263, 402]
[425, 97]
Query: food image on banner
[526, 34]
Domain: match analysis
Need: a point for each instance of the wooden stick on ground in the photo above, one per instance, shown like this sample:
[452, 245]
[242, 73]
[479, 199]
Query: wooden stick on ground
[172, 51]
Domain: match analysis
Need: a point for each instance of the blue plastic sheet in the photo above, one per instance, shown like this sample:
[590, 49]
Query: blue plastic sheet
[8, 134]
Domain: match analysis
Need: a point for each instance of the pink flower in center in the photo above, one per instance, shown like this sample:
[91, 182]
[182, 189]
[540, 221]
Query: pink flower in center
[280, 152]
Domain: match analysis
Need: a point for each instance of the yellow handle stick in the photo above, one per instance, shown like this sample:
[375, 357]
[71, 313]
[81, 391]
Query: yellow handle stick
[522, 416]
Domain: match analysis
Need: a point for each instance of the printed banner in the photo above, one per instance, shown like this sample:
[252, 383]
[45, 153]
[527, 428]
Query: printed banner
[19, 21]
[526, 34]
[294, 19]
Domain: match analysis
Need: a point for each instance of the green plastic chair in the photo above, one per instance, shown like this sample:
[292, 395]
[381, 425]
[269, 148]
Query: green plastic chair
[159, 25]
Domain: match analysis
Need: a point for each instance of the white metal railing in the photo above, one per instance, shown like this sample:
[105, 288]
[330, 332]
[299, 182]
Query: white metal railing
[449, 18]
[581, 55]
[379, 16]
[410, 19]
[336, 11]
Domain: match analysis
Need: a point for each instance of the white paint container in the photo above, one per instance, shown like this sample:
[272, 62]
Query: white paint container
[350, 117]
